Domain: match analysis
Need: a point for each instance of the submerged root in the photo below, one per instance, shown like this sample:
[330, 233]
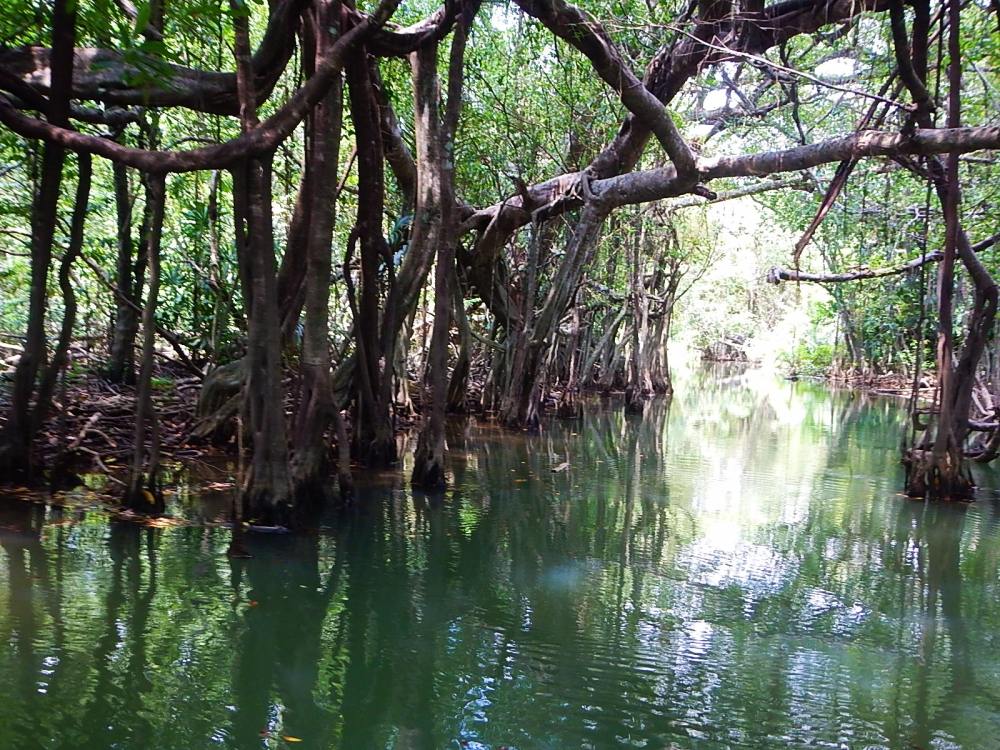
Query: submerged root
[428, 467]
[569, 405]
[936, 476]
[429, 476]
[635, 400]
[378, 453]
[310, 468]
[147, 500]
[267, 508]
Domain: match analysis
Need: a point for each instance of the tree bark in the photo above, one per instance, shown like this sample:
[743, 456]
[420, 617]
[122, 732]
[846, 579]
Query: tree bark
[258, 141]
[143, 490]
[459, 382]
[373, 428]
[638, 384]
[266, 489]
[16, 459]
[936, 466]
[60, 357]
[121, 361]
[521, 404]
[434, 224]
[316, 406]
[109, 76]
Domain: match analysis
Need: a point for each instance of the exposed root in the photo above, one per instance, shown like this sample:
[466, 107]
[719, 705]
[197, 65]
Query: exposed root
[934, 476]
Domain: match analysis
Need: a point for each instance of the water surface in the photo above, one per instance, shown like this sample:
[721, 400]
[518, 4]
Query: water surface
[734, 569]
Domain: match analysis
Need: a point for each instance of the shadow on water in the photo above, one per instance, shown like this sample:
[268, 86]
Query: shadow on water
[732, 569]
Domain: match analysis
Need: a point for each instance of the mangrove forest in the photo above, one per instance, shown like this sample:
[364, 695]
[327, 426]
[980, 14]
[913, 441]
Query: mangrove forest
[490, 375]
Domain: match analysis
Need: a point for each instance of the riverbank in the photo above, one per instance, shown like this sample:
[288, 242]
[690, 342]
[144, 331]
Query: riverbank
[92, 423]
[884, 384]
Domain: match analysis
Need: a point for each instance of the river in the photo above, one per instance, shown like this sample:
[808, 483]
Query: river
[735, 569]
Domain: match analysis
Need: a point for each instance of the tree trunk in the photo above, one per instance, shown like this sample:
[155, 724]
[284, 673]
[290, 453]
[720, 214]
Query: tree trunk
[660, 367]
[60, 357]
[220, 300]
[458, 385]
[373, 427]
[16, 459]
[638, 384]
[521, 405]
[433, 224]
[316, 407]
[936, 467]
[569, 406]
[266, 488]
[121, 360]
[143, 490]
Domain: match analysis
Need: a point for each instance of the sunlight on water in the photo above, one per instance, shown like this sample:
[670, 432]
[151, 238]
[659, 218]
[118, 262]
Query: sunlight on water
[734, 569]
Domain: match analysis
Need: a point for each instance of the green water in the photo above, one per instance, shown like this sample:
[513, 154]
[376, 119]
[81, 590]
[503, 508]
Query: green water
[736, 570]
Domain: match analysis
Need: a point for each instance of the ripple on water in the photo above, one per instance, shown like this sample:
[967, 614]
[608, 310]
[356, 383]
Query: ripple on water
[734, 572]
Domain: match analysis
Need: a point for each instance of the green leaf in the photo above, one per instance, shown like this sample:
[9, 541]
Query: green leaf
[141, 17]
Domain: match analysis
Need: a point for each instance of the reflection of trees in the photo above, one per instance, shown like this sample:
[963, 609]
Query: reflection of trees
[410, 568]
[903, 560]
[938, 529]
[575, 551]
[27, 561]
[110, 711]
[114, 713]
[379, 608]
[515, 607]
[276, 679]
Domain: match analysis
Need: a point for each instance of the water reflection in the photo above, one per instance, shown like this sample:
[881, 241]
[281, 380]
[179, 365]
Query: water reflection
[732, 569]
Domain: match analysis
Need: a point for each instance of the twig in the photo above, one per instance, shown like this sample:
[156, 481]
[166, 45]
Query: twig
[170, 338]
[791, 71]
[100, 464]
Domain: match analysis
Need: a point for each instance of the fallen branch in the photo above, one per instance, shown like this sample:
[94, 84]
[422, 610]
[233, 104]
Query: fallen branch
[83, 432]
[174, 342]
[100, 464]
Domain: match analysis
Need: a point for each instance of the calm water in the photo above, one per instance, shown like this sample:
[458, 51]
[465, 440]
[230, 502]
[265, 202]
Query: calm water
[736, 570]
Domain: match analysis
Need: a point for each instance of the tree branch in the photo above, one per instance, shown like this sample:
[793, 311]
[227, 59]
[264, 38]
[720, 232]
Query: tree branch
[261, 139]
[764, 186]
[107, 76]
[776, 275]
[588, 36]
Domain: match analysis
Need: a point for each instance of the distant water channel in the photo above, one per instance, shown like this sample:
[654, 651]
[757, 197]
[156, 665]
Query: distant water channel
[735, 569]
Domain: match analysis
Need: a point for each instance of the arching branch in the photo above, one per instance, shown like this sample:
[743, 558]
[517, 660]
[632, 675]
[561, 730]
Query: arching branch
[581, 31]
[107, 76]
[655, 184]
[753, 31]
[776, 275]
[261, 139]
